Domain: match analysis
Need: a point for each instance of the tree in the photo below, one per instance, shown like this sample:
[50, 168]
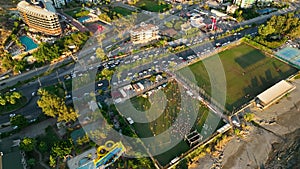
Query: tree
[169, 24]
[16, 24]
[101, 55]
[2, 101]
[31, 162]
[249, 117]
[42, 146]
[16, 95]
[27, 144]
[7, 62]
[266, 30]
[55, 107]
[62, 148]
[19, 120]
[52, 161]
[183, 164]
[107, 73]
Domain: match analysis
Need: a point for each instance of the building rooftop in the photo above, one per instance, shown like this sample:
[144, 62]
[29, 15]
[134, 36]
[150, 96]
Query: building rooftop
[145, 27]
[49, 9]
[275, 92]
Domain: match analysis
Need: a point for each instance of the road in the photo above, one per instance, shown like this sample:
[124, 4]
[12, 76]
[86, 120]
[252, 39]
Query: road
[198, 50]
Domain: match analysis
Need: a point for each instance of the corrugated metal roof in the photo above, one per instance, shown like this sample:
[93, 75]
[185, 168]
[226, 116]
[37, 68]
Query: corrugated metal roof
[275, 91]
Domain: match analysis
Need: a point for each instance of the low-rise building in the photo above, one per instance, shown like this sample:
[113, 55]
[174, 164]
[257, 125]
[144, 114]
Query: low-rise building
[273, 94]
[231, 9]
[245, 3]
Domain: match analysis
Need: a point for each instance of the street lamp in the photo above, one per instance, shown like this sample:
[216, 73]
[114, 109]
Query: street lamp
[1, 155]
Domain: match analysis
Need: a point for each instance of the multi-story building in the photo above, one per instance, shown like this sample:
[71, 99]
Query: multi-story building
[144, 33]
[40, 17]
[59, 3]
[245, 3]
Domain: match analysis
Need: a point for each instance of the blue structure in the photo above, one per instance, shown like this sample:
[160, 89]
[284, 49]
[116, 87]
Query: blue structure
[290, 55]
[83, 19]
[265, 11]
[28, 43]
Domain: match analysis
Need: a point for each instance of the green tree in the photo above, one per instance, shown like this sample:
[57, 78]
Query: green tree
[266, 30]
[16, 24]
[249, 117]
[19, 120]
[52, 161]
[2, 101]
[7, 62]
[101, 54]
[27, 144]
[183, 164]
[16, 95]
[55, 107]
[169, 24]
[31, 162]
[62, 148]
[107, 73]
[42, 146]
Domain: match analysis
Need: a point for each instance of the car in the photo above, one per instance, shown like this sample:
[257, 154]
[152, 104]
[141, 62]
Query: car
[33, 93]
[32, 120]
[12, 115]
[68, 96]
[130, 121]
[14, 127]
[13, 89]
[100, 84]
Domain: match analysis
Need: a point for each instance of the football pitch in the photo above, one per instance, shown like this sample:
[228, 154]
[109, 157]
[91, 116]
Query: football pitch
[168, 112]
[248, 72]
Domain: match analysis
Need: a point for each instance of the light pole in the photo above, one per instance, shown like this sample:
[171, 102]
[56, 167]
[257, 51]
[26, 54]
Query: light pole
[1, 155]
[38, 77]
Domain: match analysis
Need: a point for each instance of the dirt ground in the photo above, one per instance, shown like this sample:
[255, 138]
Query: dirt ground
[254, 150]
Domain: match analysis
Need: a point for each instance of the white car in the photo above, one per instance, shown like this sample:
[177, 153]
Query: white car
[13, 89]
[130, 121]
[12, 115]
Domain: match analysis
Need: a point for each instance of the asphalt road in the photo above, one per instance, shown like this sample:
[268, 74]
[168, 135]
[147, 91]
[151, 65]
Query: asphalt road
[31, 108]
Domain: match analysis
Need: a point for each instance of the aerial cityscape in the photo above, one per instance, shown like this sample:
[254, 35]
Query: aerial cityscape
[149, 84]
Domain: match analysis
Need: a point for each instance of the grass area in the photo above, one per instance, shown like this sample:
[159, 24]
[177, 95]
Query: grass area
[140, 103]
[248, 72]
[77, 12]
[56, 89]
[122, 11]
[168, 117]
[153, 5]
[10, 107]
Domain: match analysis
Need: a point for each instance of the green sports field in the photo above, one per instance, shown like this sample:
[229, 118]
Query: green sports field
[248, 72]
[168, 112]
